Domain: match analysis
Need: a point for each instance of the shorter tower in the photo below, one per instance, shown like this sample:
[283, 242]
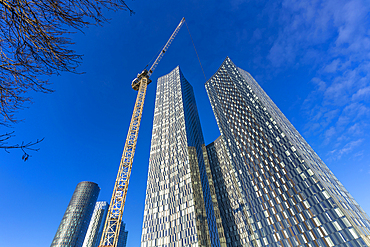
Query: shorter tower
[72, 229]
[96, 225]
[123, 234]
[227, 196]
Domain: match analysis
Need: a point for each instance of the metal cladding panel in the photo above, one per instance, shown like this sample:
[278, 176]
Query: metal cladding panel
[283, 194]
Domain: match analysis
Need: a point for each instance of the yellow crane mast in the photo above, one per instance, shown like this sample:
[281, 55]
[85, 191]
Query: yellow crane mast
[114, 218]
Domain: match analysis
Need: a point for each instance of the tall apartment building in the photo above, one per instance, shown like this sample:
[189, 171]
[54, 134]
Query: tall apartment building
[72, 229]
[179, 210]
[272, 188]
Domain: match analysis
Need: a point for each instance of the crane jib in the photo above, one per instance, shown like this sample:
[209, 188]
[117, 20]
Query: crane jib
[114, 218]
[135, 82]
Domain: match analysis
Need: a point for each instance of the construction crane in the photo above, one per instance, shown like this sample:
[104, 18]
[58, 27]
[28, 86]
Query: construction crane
[114, 218]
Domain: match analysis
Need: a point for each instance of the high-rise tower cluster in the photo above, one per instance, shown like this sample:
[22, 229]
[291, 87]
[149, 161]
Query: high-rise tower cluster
[83, 221]
[258, 184]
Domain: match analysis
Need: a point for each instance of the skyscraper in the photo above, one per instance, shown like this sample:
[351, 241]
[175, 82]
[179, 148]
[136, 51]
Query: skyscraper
[72, 229]
[272, 188]
[96, 226]
[178, 204]
[95, 229]
[122, 239]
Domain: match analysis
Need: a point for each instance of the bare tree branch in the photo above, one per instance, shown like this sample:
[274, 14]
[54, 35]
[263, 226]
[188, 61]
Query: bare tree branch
[29, 146]
[34, 44]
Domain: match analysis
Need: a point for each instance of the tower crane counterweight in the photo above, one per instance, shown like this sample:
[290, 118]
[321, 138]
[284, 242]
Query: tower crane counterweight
[114, 218]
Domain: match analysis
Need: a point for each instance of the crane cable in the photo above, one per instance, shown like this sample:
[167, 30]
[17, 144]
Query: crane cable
[196, 51]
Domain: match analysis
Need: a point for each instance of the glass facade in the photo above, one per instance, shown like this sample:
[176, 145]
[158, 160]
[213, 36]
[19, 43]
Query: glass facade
[122, 241]
[233, 215]
[95, 230]
[96, 227]
[73, 227]
[272, 188]
[178, 205]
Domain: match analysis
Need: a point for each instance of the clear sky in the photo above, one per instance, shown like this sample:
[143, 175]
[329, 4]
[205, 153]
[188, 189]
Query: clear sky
[311, 57]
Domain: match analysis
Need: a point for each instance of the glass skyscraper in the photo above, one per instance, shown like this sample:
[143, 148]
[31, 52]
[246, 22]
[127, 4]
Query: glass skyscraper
[272, 188]
[179, 210]
[95, 230]
[72, 229]
[122, 239]
[96, 226]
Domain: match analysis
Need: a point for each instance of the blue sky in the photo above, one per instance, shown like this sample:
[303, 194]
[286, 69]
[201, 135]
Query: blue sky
[311, 57]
